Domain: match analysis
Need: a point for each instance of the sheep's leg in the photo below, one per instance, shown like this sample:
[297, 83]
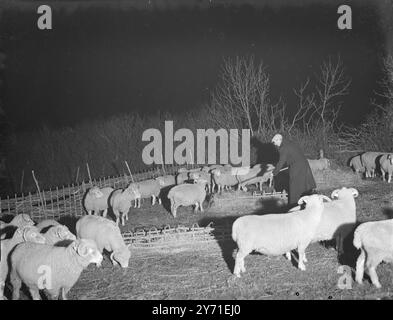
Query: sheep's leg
[123, 217]
[117, 215]
[153, 200]
[196, 207]
[139, 202]
[173, 208]
[89, 212]
[383, 174]
[389, 177]
[288, 255]
[64, 293]
[239, 262]
[35, 294]
[159, 200]
[374, 277]
[302, 258]
[2, 285]
[105, 213]
[16, 285]
[360, 267]
[201, 206]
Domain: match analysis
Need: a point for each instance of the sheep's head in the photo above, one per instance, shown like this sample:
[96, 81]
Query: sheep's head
[87, 249]
[216, 172]
[63, 233]
[22, 220]
[269, 167]
[390, 158]
[96, 192]
[343, 192]
[122, 257]
[133, 191]
[31, 234]
[313, 199]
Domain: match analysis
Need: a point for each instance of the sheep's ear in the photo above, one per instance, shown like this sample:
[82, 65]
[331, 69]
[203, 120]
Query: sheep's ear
[303, 200]
[334, 194]
[323, 197]
[355, 193]
[82, 249]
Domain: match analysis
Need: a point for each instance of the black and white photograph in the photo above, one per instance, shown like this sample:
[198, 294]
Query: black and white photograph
[208, 151]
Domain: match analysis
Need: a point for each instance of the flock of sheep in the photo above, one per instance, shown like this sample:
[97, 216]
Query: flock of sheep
[369, 163]
[28, 250]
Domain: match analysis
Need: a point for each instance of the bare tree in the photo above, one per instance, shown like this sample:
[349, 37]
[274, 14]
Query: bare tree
[241, 99]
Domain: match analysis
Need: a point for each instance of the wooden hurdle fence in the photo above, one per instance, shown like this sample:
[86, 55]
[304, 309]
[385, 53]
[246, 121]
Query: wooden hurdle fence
[67, 200]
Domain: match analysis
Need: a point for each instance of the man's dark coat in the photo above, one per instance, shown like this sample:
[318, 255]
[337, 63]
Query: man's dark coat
[301, 179]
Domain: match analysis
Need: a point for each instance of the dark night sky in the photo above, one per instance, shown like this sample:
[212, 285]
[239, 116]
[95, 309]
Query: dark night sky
[99, 62]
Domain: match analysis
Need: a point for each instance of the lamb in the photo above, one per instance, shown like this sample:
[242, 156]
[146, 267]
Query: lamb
[58, 233]
[120, 202]
[277, 234]
[148, 189]
[356, 164]
[369, 161]
[107, 236]
[375, 240]
[96, 200]
[64, 265]
[46, 224]
[386, 162]
[338, 217]
[187, 195]
[26, 233]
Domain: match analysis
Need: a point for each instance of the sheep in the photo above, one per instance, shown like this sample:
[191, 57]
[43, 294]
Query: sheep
[181, 177]
[319, 164]
[253, 177]
[204, 176]
[276, 234]
[21, 220]
[58, 233]
[386, 163]
[107, 236]
[338, 217]
[96, 200]
[375, 241]
[223, 179]
[63, 266]
[166, 181]
[26, 233]
[369, 162]
[120, 202]
[148, 188]
[46, 224]
[356, 164]
[187, 195]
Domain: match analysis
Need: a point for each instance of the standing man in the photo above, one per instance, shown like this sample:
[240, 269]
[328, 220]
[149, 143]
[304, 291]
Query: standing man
[301, 179]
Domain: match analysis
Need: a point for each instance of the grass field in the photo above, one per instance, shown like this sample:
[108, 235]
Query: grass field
[204, 271]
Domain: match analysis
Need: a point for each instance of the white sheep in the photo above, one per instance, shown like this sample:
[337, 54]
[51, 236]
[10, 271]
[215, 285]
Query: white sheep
[107, 236]
[223, 179]
[386, 162]
[58, 233]
[375, 240]
[338, 217]
[30, 262]
[20, 220]
[369, 162]
[23, 234]
[277, 234]
[166, 181]
[96, 200]
[150, 188]
[187, 195]
[46, 224]
[254, 177]
[120, 202]
[202, 175]
[356, 164]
